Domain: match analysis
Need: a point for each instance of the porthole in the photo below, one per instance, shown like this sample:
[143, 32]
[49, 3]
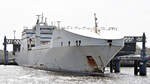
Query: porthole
[69, 43]
[61, 43]
[76, 43]
[79, 42]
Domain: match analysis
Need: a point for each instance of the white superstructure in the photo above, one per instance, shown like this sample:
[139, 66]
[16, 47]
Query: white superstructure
[66, 49]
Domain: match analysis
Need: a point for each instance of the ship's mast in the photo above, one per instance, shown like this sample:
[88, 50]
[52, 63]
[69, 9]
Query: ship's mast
[45, 21]
[14, 34]
[38, 17]
[42, 18]
[58, 22]
[37, 32]
[95, 19]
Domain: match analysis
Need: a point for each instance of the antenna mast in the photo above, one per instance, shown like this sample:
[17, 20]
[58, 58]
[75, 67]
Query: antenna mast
[38, 18]
[42, 18]
[95, 18]
[46, 21]
[58, 22]
[14, 34]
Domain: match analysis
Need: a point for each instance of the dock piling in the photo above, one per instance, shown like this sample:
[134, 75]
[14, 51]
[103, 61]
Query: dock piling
[5, 52]
[142, 63]
[136, 70]
[142, 69]
[115, 66]
[111, 66]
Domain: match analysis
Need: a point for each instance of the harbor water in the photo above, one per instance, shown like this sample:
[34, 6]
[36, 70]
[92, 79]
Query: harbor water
[11, 74]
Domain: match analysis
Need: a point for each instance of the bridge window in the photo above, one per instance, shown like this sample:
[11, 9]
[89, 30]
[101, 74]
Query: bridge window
[45, 37]
[109, 41]
[61, 43]
[46, 33]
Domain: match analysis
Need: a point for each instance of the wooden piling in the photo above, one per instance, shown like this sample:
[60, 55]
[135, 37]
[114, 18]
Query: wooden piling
[5, 52]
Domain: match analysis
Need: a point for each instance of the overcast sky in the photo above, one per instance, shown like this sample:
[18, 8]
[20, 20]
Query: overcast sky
[131, 17]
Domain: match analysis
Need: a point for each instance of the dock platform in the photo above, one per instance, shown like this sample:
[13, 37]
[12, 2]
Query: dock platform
[139, 62]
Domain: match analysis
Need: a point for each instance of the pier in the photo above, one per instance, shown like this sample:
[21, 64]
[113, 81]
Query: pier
[139, 62]
[16, 47]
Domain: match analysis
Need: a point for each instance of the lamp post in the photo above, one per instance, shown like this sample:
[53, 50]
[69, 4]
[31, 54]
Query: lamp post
[14, 33]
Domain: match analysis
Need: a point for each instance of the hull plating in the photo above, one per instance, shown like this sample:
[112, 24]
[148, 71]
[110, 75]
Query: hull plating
[74, 59]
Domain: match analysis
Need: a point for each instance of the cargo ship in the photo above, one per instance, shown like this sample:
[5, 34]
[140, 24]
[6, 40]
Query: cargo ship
[67, 49]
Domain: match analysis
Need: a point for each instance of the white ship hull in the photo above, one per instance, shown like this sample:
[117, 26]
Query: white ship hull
[68, 50]
[71, 58]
